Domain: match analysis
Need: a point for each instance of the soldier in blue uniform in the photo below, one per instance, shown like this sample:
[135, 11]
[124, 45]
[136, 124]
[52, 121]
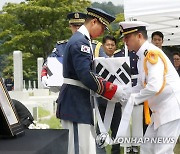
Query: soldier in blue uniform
[74, 105]
[76, 19]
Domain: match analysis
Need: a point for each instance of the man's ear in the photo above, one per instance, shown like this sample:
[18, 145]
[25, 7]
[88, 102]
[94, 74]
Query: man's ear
[140, 35]
[94, 21]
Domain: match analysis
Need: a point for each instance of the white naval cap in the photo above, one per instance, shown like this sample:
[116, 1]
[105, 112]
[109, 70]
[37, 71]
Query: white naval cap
[127, 27]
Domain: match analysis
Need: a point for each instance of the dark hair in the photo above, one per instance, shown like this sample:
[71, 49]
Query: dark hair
[108, 37]
[89, 17]
[143, 32]
[157, 33]
[76, 24]
[176, 53]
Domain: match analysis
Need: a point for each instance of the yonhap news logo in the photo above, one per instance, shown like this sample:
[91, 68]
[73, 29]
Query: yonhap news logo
[142, 140]
[101, 140]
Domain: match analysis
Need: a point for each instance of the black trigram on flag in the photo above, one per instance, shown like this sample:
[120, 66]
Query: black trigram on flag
[122, 74]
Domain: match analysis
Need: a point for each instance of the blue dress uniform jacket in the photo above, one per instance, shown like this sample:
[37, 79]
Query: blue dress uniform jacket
[133, 63]
[59, 49]
[74, 102]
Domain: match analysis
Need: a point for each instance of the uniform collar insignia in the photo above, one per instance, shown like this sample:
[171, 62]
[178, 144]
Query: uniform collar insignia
[145, 52]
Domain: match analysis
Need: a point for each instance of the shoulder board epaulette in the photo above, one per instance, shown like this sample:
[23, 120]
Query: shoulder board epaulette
[119, 50]
[61, 42]
[95, 41]
[145, 52]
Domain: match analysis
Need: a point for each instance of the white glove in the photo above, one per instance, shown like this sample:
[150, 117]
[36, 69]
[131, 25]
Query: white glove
[128, 91]
[122, 95]
[133, 96]
[44, 81]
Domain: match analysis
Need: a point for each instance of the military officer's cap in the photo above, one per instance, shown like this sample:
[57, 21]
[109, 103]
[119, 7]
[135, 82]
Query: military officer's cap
[127, 27]
[76, 18]
[102, 16]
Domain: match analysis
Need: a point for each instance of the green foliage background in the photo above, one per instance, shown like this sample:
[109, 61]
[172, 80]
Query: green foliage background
[33, 27]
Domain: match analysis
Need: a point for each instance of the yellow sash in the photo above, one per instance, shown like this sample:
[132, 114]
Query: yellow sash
[96, 52]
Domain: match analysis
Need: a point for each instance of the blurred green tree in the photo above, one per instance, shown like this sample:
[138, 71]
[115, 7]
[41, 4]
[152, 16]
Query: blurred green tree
[33, 27]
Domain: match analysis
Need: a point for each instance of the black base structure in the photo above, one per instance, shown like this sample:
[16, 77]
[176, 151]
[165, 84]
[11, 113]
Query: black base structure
[37, 141]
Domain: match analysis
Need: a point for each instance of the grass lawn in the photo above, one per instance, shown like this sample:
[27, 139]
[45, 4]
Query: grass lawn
[42, 112]
[177, 148]
[45, 118]
[53, 122]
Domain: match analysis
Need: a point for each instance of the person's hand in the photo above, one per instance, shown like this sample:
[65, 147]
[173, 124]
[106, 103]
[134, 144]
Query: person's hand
[44, 80]
[128, 91]
[133, 95]
[122, 94]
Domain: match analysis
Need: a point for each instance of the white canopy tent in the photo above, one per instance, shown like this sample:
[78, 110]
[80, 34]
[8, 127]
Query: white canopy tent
[162, 15]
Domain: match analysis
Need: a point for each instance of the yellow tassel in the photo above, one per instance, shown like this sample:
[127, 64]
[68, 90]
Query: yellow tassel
[146, 113]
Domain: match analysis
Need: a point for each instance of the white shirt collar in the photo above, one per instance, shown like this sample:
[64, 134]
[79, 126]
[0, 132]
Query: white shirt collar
[84, 31]
[141, 50]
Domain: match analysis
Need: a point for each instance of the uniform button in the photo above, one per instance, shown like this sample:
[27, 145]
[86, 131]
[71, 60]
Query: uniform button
[133, 59]
[132, 67]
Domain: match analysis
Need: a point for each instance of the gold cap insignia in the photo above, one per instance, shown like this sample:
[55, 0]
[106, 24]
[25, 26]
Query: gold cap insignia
[76, 15]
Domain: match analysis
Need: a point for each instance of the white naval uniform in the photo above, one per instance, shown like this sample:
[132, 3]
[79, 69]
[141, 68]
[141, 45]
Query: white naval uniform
[165, 107]
[136, 131]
